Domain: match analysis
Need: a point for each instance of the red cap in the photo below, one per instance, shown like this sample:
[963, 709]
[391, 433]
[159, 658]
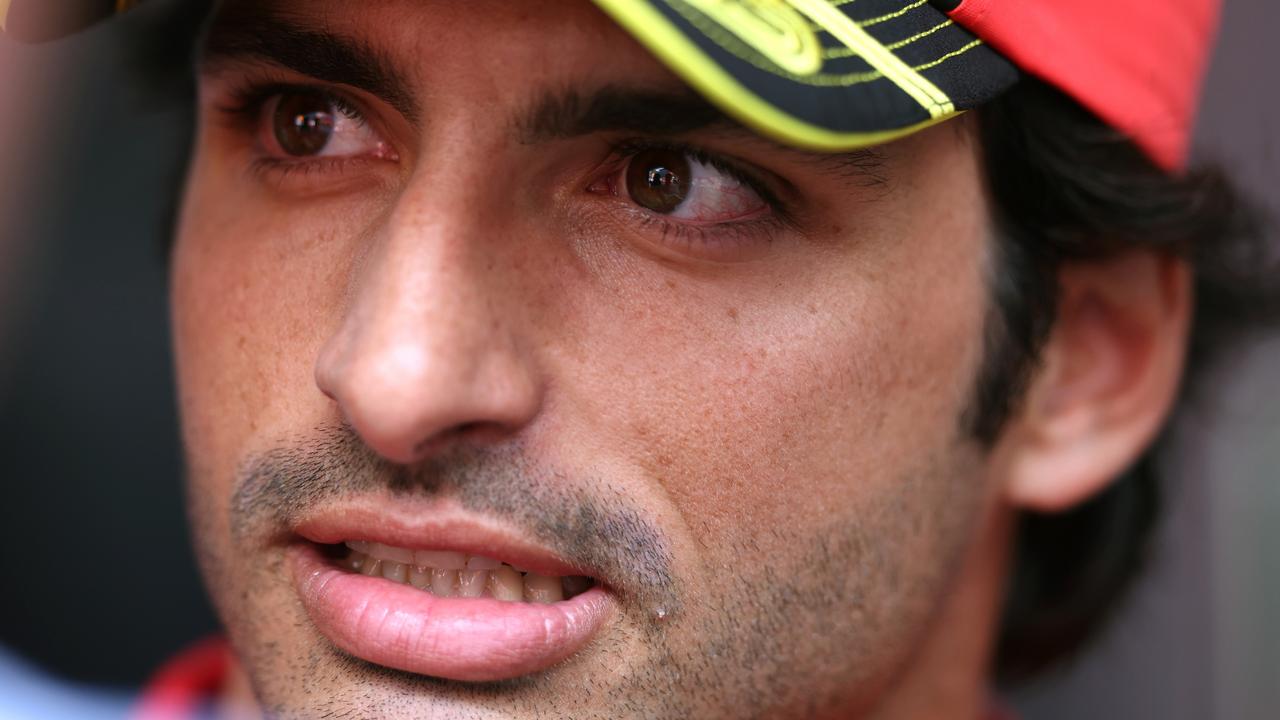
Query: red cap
[1137, 64]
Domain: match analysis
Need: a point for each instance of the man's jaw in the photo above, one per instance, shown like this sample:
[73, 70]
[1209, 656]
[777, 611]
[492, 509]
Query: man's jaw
[453, 595]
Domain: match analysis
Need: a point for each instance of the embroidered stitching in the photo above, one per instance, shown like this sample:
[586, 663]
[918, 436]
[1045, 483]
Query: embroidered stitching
[948, 56]
[731, 44]
[837, 53]
[879, 19]
[892, 15]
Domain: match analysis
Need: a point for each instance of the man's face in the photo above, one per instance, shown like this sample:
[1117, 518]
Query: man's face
[484, 278]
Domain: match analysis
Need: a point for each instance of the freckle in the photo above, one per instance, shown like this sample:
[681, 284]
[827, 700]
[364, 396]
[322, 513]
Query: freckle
[671, 284]
[733, 313]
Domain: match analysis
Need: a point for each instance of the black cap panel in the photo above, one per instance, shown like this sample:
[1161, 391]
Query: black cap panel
[841, 73]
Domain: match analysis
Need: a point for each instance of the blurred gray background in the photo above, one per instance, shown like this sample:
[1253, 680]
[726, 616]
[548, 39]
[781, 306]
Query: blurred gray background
[100, 585]
[1201, 637]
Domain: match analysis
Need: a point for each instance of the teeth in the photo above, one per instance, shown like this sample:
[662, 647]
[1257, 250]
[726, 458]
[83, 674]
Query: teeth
[382, 552]
[506, 584]
[394, 571]
[394, 554]
[439, 559]
[459, 575]
[542, 589]
[477, 562]
[471, 583]
[420, 577]
[443, 582]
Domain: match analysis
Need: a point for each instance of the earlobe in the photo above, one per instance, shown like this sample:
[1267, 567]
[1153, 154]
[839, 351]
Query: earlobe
[1110, 375]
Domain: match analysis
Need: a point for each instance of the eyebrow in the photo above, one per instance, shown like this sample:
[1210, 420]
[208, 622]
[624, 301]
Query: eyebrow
[255, 31]
[568, 114]
[259, 31]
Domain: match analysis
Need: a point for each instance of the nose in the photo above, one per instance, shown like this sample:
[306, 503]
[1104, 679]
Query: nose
[429, 350]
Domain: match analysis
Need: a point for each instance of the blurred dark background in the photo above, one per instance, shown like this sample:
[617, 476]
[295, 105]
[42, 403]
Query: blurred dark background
[100, 584]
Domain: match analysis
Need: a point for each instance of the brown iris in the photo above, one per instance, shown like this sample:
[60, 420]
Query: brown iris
[659, 179]
[303, 123]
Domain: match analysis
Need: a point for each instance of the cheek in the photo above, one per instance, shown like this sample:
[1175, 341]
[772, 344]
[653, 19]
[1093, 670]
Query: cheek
[800, 436]
[749, 413]
[255, 292]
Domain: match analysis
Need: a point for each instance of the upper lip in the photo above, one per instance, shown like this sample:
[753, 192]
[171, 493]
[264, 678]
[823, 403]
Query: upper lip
[437, 527]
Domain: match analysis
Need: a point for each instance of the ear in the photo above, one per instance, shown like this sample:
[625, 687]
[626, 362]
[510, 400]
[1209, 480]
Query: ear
[1111, 372]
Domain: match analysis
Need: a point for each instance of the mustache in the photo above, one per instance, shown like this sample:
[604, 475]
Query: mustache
[591, 522]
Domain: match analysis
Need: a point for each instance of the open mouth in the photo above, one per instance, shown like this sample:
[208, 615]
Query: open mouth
[452, 597]
[450, 574]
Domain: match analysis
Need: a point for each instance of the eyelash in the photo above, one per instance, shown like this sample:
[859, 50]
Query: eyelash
[244, 107]
[247, 100]
[630, 147]
[693, 236]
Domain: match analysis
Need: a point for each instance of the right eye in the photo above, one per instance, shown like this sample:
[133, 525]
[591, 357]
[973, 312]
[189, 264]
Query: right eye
[674, 183]
[313, 124]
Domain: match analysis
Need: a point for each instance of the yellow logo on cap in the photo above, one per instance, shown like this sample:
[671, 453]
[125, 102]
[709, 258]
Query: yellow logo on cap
[772, 27]
[781, 31]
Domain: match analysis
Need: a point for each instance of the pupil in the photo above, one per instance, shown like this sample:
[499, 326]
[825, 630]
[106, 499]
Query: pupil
[303, 123]
[658, 180]
[661, 178]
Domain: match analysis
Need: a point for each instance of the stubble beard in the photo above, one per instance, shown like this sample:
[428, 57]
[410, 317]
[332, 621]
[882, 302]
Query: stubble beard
[824, 627]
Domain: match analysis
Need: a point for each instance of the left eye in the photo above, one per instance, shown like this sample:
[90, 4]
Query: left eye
[673, 183]
[305, 124]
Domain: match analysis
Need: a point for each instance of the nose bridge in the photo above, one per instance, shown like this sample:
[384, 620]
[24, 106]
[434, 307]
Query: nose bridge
[429, 348]
[426, 288]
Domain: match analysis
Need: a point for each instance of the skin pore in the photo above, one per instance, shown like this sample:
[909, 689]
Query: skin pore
[745, 411]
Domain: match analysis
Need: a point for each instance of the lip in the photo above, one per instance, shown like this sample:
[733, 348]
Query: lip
[402, 627]
[442, 529]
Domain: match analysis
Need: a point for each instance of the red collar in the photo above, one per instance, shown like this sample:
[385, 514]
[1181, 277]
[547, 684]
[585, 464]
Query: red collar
[186, 684]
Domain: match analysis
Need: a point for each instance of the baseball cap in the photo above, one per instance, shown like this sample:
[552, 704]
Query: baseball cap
[836, 75]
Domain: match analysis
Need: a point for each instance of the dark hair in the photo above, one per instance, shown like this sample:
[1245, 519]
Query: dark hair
[1064, 187]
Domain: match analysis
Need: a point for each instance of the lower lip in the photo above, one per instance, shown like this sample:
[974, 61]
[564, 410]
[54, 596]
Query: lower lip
[471, 639]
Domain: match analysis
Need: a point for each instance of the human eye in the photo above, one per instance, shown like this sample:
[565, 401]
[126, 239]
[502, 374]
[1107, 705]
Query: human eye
[695, 200]
[304, 130]
[310, 123]
[675, 183]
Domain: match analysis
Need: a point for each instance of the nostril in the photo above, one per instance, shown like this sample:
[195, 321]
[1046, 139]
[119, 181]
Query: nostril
[331, 365]
[473, 431]
[411, 392]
